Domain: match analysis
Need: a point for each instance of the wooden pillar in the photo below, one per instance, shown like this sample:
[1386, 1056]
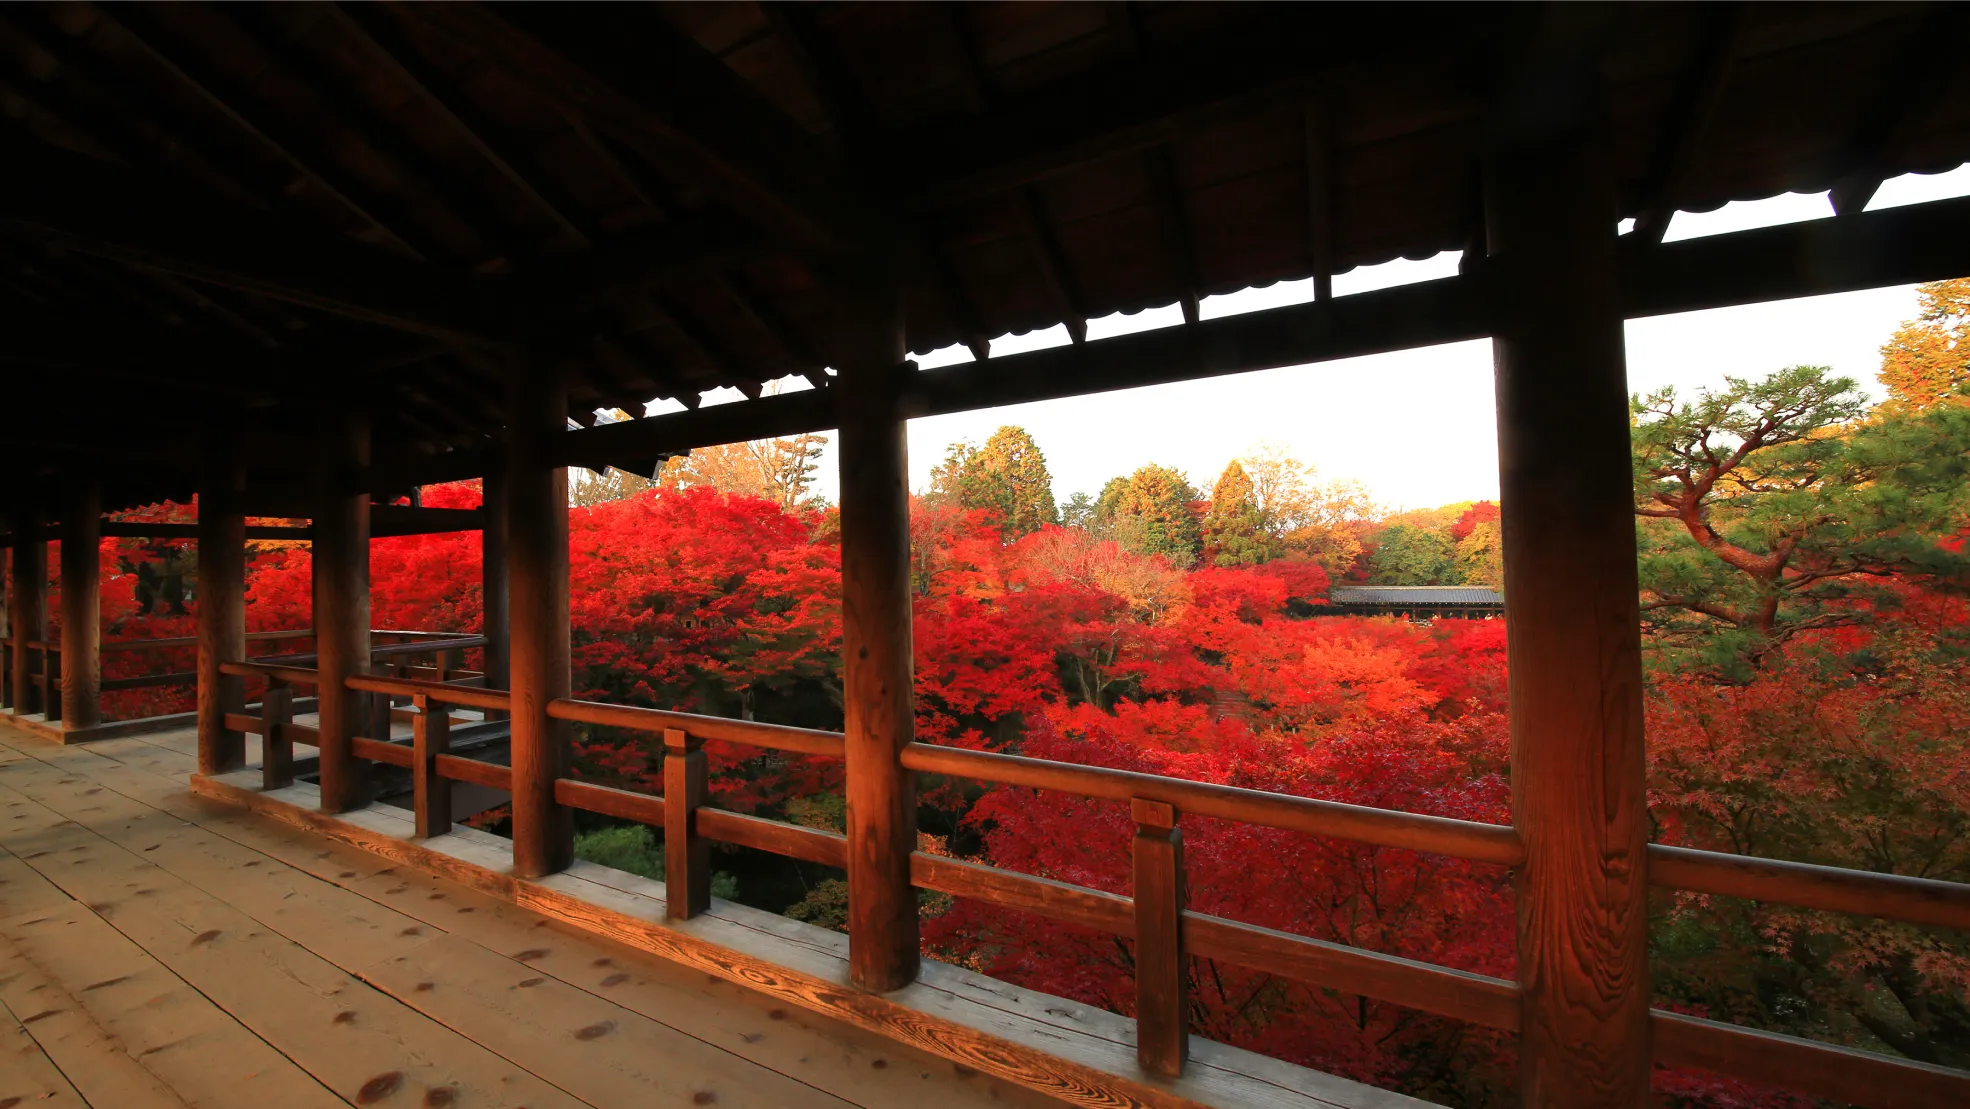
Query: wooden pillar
[537, 596]
[341, 568]
[430, 791]
[221, 610]
[687, 855]
[1162, 1006]
[82, 621]
[492, 574]
[1572, 612]
[875, 601]
[29, 573]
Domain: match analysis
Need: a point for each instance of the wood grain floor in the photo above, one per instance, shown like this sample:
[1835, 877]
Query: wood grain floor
[159, 950]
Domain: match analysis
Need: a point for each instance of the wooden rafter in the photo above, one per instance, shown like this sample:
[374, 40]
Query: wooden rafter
[1167, 196]
[1052, 263]
[768, 319]
[385, 37]
[1321, 222]
[66, 204]
[1697, 98]
[305, 173]
[1923, 67]
[639, 72]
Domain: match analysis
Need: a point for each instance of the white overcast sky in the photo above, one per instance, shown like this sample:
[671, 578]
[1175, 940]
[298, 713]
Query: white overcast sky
[1416, 427]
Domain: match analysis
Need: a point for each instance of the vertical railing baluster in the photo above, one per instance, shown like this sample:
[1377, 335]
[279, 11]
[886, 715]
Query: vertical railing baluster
[687, 855]
[431, 737]
[51, 689]
[1162, 1001]
[276, 747]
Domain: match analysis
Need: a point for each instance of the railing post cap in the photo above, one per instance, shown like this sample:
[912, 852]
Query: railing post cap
[1153, 814]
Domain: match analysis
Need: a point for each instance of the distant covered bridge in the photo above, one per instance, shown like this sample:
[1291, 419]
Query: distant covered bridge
[1415, 600]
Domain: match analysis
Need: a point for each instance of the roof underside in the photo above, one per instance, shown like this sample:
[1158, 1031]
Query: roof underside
[258, 207]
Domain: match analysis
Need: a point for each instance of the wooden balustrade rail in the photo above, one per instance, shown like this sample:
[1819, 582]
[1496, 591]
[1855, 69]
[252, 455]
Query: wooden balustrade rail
[804, 741]
[1808, 886]
[1485, 843]
[1165, 931]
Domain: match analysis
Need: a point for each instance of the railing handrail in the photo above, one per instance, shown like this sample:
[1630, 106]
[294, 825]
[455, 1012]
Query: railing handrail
[780, 737]
[443, 692]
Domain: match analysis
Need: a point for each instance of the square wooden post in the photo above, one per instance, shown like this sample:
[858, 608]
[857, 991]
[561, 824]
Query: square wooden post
[492, 576]
[276, 747]
[1162, 997]
[30, 568]
[430, 792]
[341, 566]
[687, 855]
[876, 637]
[221, 612]
[537, 596]
[1572, 611]
[82, 617]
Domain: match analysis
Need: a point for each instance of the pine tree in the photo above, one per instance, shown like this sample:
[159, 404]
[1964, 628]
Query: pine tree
[1234, 528]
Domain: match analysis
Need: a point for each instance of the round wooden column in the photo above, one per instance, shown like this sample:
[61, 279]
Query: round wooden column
[82, 617]
[537, 599]
[1573, 616]
[341, 568]
[26, 585]
[876, 651]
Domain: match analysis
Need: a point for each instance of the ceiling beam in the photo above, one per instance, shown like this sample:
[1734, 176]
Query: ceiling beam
[306, 175]
[639, 73]
[1924, 65]
[1689, 116]
[379, 29]
[65, 203]
[1052, 263]
[1167, 196]
[1921, 242]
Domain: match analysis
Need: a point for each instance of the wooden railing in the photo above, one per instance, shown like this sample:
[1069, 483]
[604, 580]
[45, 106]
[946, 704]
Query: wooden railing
[1155, 918]
[45, 661]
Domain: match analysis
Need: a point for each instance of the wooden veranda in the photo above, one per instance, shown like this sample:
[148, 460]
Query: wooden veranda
[300, 260]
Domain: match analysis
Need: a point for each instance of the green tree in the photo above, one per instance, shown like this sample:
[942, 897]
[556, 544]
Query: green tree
[1150, 512]
[1234, 528]
[1007, 477]
[1768, 507]
[1406, 554]
[1078, 512]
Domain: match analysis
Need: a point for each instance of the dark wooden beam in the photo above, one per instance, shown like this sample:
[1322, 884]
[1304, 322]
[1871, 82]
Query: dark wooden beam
[306, 175]
[1688, 118]
[376, 26]
[768, 319]
[1052, 263]
[63, 203]
[1898, 246]
[397, 519]
[950, 289]
[1923, 68]
[1167, 195]
[1279, 56]
[1321, 221]
[638, 72]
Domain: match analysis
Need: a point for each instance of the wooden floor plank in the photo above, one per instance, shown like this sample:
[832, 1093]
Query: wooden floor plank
[169, 1029]
[597, 1049]
[358, 1042]
[27, 1076]
[89, 1056]
[848, 1062]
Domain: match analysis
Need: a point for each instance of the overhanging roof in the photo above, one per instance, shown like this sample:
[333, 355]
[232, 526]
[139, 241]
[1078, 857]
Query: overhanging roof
[260, 206]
